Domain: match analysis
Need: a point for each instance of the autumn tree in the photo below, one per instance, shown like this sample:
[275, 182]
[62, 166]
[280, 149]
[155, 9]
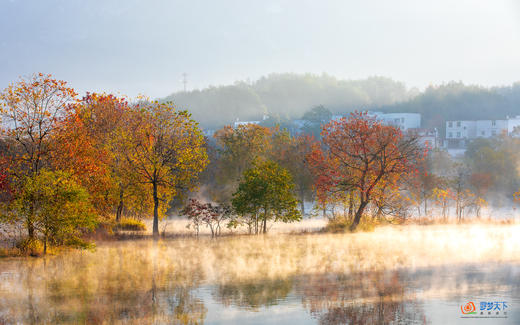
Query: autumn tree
[459, 184]
[59, 208]
[360, 153]
[494, 161]
[89, 150]
[421, 184]
[237, 149]
[389, 200]
[291, 153]
[442, 197]
[212, 215]
[164, 149]
[31, 110]
[266, 193]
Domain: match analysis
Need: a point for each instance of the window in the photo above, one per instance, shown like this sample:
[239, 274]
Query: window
[493, 123]
[458, 134]
[493, 132]
[458, 123]
[450, 135]
[483, 133]
[402, 119]
[450, 124]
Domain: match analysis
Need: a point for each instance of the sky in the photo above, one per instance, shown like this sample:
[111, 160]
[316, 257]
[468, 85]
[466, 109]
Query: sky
[132, 47]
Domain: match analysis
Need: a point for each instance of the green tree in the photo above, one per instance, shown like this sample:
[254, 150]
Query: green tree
[266, 193]
[59, 207]
[291, 153]
[237, 149]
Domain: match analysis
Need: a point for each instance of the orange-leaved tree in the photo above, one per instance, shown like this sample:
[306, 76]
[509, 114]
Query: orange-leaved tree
[360, 153]
[31, 111]
[91, 151]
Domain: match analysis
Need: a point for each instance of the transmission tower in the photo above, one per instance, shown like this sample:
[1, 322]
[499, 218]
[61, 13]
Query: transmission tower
[185, 80]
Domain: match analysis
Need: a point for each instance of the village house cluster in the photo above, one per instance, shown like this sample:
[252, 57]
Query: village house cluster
[455, 139]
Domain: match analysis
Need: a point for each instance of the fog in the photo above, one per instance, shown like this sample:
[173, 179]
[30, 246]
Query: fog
[288, 96]
[136, 281]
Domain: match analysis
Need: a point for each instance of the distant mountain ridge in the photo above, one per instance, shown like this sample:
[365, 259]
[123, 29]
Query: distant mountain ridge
[288, 96]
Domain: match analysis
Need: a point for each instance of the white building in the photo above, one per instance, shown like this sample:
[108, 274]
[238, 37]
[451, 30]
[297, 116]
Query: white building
[428, 138]
[458, 132]
[238, 122]
[461, 130]
[404, 121]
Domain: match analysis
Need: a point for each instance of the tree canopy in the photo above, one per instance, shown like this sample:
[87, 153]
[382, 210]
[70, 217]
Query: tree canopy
[266, 193]
[363, 155]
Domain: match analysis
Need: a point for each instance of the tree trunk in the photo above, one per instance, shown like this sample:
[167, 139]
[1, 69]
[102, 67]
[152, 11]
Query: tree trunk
[379, 213]
[155, 211]
[30, 229]
[333, 211]
[302, 207]
[265, 222]
[119, 211]
[30, 226]
[358, 215]
[350, 206]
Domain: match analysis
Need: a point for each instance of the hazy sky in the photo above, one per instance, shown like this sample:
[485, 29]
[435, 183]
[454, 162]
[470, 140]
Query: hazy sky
[134, 47]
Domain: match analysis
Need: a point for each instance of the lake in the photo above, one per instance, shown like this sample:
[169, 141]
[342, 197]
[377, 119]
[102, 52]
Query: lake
[393, 275]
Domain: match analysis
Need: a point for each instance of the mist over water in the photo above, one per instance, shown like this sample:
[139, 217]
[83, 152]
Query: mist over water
[406, 274]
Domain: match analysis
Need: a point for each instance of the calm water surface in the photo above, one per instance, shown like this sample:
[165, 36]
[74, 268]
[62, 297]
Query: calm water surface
[421, 278]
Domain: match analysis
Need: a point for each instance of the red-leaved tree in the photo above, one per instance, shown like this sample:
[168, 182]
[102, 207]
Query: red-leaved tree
[360, 154]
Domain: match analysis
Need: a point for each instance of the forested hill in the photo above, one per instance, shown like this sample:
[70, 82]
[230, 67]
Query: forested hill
[289, 96]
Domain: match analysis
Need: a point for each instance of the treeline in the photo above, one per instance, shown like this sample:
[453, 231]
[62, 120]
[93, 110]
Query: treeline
[70, 162]
[286, 96]
[265, 172]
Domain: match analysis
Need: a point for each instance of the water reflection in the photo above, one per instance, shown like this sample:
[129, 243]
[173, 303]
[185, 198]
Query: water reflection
[362, 298]
[252, 295]
[92, 289]
[192, 281]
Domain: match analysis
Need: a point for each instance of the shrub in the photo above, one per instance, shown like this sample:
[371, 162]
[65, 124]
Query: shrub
[130, 224]
[339, 225]
[28, 246]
